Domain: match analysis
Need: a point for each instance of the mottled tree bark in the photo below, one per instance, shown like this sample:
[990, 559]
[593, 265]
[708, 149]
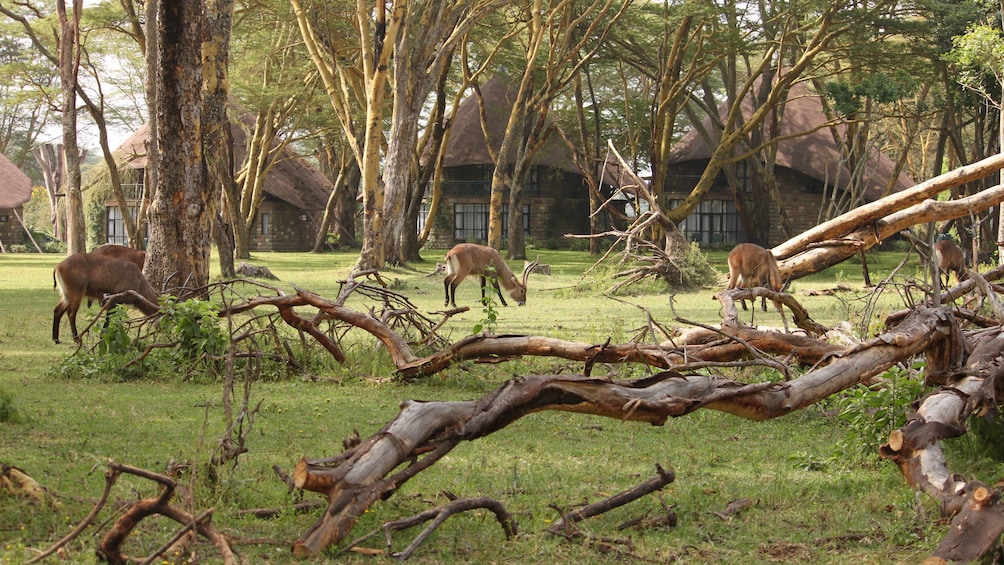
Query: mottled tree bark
[184, 204]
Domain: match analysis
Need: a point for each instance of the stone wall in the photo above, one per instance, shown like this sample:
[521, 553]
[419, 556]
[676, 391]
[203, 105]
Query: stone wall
[11, 232]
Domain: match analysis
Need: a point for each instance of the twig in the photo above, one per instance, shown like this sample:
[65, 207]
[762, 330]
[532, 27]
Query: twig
[663, 478]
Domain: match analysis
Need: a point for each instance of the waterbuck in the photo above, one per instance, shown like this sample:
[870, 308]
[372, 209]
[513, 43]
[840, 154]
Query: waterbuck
[94, 276]
[137, 256]
[950, 260]
[467, 259]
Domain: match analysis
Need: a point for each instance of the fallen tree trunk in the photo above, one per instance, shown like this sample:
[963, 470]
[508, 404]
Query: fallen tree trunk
[736, 341]
[867, 213]
[424, 432]
[916, 449]
[826, 253]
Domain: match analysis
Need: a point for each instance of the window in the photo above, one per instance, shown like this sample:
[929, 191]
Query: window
[423, 212]
[115, 231]
[266, 227]
[505, 220]
[471, 221]
[714, 221]
[115, 226]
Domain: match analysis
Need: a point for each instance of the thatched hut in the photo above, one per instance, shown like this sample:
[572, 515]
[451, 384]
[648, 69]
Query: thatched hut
[15, 192]
[808, 167]
[555, 197]
[287, 220]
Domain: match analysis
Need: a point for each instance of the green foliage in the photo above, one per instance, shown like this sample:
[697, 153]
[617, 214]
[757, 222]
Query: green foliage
[848, 99]
[978, 58]
[193, 327]
[115, 338]
[490, 308]
[872, 413]
[9, 412]
[109, 367]
[695, 270]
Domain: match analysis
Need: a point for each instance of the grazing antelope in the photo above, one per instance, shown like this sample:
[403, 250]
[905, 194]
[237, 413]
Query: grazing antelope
[137, 256]
[467, 259]
[94, 276]
[950, 260]
[750, 266]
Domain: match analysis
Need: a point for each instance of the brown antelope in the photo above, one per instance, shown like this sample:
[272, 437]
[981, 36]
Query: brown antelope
[750, 266]
[137, 256]
[95, 276]
[467, 259]
[950, 260]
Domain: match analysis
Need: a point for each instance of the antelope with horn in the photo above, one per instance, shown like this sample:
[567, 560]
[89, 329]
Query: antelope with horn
[467, 259]
[96, 276]
[751, 266]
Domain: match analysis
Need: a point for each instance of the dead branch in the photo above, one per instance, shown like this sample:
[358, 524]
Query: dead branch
[734, 507]
[730, 316]
[802, 261]
[110, 546]
[663, 477]
[424, 432]
[916, 449]
[866, 213]
[439, 515]
[255, 271]
[486, 347]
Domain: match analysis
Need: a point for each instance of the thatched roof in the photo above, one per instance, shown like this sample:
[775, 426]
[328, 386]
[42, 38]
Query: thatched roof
[15, 186]
[292, 179]
[812, 152]
[467, 141]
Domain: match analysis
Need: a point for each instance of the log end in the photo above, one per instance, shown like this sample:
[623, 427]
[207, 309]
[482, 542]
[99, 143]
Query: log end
[896, 440]
[300, 474]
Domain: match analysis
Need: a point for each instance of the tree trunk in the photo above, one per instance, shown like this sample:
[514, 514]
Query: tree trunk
[183, 208]
[1000, 178]
[217, 143]
[50, 161]
[346, 178]
[69, 52]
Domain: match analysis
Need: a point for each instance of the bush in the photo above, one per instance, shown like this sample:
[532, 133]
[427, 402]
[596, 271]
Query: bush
[872, 413]
[9, 412]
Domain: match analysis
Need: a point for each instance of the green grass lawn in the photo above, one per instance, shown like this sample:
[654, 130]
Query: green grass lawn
[815, 499]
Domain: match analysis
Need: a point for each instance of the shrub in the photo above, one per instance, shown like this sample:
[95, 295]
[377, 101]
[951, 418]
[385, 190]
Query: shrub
[9, 412]
[872, 413]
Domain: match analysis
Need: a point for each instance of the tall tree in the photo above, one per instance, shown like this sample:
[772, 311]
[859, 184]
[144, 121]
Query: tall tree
[184, 203]
[430, 30]
[555, 39]
[69, 53]
[217, 144]
[376, 28]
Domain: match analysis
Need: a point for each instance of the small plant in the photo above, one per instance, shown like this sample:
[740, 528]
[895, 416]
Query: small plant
[490, 309]
[9, 412]
[193, 326]
[871, 414]
[115, 334]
